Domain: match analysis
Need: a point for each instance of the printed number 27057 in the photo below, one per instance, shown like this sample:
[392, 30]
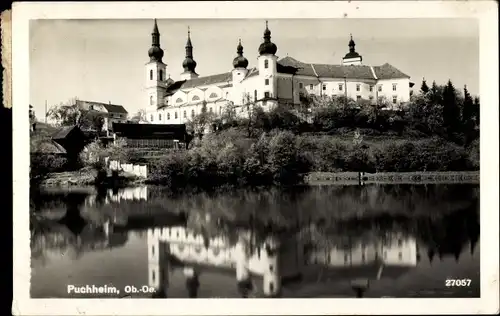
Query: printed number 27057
[458, 282]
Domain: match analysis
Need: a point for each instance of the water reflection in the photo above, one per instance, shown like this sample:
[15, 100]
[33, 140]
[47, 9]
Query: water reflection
[309, 242]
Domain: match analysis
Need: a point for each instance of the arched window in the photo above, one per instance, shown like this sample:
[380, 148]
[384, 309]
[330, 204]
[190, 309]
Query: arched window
[179, 100]
[175, 114]
[195, 98]
[213, 95]
[150, 100]
[185, 115]
[161, 75]
[210, 110]
[152, 118]
[266, 63]
[168, 116]
[192, 113]
[255, 95]
[151, 74]
[159, 117]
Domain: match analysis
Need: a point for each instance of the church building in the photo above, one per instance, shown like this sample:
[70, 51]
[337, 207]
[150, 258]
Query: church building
[270, 82]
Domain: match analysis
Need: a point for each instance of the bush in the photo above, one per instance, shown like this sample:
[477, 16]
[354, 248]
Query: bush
[42, 164]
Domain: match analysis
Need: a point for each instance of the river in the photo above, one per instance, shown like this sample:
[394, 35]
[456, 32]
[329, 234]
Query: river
[323, 241]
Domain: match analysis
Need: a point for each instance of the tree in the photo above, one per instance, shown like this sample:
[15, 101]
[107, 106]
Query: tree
[451, 110]
[468, 119]
[424, 88]
[436, 93]
[199, 123]
[477, 110]
[69, 114]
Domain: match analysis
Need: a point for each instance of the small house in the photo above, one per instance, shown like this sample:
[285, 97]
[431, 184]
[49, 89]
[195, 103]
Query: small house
[112, 113]
[71, 138]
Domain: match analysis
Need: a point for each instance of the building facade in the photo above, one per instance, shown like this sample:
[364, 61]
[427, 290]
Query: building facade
[270, 82]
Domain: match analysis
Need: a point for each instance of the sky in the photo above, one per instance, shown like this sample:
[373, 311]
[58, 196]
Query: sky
[103, 60]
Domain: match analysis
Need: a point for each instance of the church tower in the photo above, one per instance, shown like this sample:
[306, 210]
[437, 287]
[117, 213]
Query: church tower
[267, 65]
[156, 77]
[158, 263]
[239, 73]
[352, 58]
[189, 64]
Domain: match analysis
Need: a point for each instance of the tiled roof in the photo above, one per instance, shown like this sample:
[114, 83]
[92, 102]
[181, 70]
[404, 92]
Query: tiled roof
[63, 132]
[200, 81]
[386, 71]
[112, 108]
[144, 131]
[46, 146]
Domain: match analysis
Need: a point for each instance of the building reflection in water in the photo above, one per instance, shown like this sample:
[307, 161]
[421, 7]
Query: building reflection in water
[276, 261]
[139, 193]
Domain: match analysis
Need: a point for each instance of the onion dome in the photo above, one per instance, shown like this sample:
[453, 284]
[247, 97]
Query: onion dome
[155, 53]
[240, 61]
[267, 47]
[189, 64]
[352, 51]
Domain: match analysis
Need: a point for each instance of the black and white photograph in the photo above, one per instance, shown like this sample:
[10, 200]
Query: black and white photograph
[255, 150]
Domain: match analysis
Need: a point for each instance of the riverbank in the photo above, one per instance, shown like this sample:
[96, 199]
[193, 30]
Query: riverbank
[86, 177]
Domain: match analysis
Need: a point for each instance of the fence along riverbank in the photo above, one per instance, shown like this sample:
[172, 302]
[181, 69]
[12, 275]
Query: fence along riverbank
[356, 178]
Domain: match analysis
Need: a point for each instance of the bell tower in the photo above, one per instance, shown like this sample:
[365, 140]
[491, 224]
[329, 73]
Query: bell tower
[267, 65]
[156, 76]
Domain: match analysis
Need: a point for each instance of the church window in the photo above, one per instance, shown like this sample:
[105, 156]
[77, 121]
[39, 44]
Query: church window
[266, 63]
[150, 100]
[358, 87]
[152, 118]
[311, 86]
[179, 100]
[161, 75]
[168, 116]
[394, 86]
[195, 98]
[213, 95]
[394, 99]
[210, 110]
[159, 117]
[255, 95]
[267, 82]
[266, 94]
[301, 85]
[379, 87]
[192, 113]
[371, 97]
[341, 86]
[175, 114]
[185, 115]
[271, 268]
[358, 98]
[371, 88]
[151, 74]
[324, 87]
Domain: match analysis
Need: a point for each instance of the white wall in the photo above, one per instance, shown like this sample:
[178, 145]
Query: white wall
[402, 92]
